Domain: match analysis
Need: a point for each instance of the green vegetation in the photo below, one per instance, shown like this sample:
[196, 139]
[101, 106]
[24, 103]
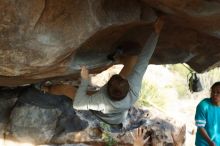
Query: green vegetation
[106, 136]
[180, 69]
[182, 89]
[151, 94]
[209, 78]
[181, 84]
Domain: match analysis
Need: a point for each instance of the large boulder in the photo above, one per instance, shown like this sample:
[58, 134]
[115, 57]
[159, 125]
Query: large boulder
[40, 118]
[8, 97]
[45, 39]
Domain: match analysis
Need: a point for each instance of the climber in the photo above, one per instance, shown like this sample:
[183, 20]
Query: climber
[112, 102]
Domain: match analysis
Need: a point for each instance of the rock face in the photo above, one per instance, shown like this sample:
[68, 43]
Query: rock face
[40, 118]
[31, 116]
[7, 102]
[44, 39]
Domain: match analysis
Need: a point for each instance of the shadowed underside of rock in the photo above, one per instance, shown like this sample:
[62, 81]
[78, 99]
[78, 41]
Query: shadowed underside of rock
[44, 39]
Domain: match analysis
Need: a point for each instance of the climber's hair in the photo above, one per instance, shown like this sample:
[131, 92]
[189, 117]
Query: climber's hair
[117, 88]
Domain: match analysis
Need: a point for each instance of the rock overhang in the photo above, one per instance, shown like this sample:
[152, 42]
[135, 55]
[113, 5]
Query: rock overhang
[45, 39]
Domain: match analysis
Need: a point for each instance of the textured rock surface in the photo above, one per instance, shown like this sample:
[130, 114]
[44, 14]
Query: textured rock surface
[7, 100]
[41, 39]
[40, 118]
[32, 124]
